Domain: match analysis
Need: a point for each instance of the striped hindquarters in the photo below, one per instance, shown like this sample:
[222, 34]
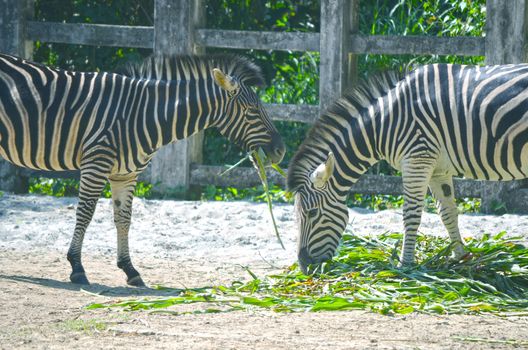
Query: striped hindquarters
[48, 115]
[478, 115]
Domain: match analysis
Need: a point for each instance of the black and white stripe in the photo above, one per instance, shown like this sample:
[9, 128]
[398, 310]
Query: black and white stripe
[108, 125]
[435, 122]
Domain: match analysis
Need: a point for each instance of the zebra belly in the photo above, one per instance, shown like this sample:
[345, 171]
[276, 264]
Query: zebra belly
[40, 162]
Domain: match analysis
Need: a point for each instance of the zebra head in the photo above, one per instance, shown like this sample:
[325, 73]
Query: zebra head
[224, 84]
[320, 211]
[245, 121]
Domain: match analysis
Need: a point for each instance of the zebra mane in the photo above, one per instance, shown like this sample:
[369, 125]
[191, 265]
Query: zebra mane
[174, 67]
[314, 149]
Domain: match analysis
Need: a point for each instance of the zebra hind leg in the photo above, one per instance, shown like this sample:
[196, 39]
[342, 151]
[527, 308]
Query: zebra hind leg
[442, 189]
[416, 173]
[122, 196]
[93, 180]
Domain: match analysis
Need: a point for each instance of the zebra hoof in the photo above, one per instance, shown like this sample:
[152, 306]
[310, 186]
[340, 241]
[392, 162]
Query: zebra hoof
[136, 281]
[79, 278]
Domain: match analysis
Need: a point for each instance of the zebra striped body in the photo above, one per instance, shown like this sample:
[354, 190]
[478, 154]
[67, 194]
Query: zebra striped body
[109, 126]
[438, 121]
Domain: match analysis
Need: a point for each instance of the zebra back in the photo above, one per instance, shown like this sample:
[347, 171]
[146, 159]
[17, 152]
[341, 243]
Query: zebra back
[182, 67]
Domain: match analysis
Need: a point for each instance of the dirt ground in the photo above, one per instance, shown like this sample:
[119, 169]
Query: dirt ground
[196, 244]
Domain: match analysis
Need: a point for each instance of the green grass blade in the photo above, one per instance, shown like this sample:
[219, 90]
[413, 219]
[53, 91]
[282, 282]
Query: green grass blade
[279, 170]
[264, 179]
[235, 165]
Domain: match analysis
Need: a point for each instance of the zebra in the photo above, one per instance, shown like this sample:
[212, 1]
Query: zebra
[433, 123]
[110, 125]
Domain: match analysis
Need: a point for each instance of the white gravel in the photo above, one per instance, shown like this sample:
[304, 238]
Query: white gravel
[237, 232]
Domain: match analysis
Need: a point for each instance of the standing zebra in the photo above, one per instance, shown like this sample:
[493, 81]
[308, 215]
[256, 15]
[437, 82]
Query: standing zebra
[438, 121]
[109, 126]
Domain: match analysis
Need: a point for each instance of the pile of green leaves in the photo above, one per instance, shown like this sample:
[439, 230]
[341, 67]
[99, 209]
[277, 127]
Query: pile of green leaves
[364, 276]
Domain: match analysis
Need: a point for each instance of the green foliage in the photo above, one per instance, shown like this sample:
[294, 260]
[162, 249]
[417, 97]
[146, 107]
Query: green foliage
[143, 190]
[375, 202]
[70, 188]
[416, 17]
[254, 194]
[468, 205]
[54, 187]
[91, 58]
[363, 275]
[382, 202]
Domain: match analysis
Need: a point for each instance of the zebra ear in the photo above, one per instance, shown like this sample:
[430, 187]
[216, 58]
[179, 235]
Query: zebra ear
[224, 81]
[323, 172]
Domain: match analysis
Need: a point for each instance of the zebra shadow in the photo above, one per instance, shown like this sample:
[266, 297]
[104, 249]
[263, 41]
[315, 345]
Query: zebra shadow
[95, 289]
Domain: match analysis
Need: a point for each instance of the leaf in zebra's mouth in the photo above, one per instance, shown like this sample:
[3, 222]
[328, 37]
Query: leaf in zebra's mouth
[260, 161]
[257, 160]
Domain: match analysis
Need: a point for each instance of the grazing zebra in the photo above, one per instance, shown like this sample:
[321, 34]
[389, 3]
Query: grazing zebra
[437, 121]
[108, 126]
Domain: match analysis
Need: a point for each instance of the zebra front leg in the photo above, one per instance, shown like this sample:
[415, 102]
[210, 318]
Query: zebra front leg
[416, 173]
[442, 189]
[122, 196]
[91, 185]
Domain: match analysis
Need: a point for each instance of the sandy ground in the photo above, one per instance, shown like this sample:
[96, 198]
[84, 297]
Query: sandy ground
[196, 244]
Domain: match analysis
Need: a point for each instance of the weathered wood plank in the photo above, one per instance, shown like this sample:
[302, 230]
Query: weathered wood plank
[506, 42]
[292, 113]
[506, 37]
[352, 64]
[74, 174]
[91, 34]
[142, 37]
[238, 39]
[334, 42]
[392, 185]
[241, 177]
[359, 43]
[174, 24]
[417, 45]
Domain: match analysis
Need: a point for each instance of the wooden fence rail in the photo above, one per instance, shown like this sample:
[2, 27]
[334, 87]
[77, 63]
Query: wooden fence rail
[203, 175]
[141, 37]
[179, 28]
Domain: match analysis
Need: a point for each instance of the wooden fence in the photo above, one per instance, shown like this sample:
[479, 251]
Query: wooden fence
[179, 28]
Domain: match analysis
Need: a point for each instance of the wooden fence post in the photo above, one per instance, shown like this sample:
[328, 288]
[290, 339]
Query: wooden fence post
[336, 21]
[13, 17]
[506, 42]
[174, 29]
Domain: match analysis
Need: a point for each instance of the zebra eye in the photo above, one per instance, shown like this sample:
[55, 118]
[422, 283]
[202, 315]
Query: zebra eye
[312, 213]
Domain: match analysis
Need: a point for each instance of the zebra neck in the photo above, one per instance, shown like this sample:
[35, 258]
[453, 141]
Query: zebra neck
[355, 152]
[391, 123]
[348, 169]
[179, 109]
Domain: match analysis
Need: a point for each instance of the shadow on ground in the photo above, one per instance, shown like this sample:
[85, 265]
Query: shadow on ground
[95, 288]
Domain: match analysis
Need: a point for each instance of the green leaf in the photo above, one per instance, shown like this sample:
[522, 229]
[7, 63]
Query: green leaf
[266, 302]
[336, 303]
